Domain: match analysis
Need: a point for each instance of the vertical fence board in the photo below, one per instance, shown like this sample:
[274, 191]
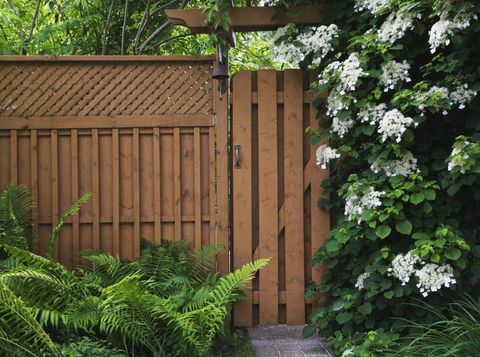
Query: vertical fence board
[75, 195]
[242, 189]
[267, 195]
[115, 193]
[177, 184]
[95, 191]
[157, 184]
[54, 183]
[34, 184]
[197, 189]
[13, 157]
[294, 230]
[136, 193]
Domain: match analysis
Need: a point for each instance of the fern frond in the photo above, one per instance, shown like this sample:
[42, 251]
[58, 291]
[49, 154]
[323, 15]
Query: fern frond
[20, 333]
[73, 210]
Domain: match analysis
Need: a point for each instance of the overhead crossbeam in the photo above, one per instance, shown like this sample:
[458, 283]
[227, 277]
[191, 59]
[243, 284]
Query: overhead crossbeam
[249, 19]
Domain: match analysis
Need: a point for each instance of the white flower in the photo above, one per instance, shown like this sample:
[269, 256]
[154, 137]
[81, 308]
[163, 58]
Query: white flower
[372, 115]
[439, 92]
[337, 102]
[318, 41]
[403, 266]
[356, 205]
[341, 127]
[347, 352]
[458, 156]
[345, 74]
[361, 280]
[393, 125]
[462, 95]
[405, 166]
[432, 277]
[324, 154]
[394, 73]
[395, 26]
[373, 6]
[288, 53]
[445, 28]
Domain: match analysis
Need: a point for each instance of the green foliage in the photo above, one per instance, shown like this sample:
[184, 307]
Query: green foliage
[455, 332]
[170, 302]
[405, 163]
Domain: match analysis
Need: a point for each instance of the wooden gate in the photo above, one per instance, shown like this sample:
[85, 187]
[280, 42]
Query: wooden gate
[138, 132]
[276, 185]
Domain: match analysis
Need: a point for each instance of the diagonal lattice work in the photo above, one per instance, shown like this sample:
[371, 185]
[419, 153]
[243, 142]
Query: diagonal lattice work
[105, 88]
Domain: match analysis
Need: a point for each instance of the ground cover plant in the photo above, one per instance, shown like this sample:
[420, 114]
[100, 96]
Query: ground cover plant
[168, 303]
[402, 125]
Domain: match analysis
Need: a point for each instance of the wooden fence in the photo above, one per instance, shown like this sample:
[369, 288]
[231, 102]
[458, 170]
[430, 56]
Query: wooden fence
[136, 132]
[276, 185]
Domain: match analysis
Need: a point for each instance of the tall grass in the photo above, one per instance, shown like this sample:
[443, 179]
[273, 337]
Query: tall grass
[456, 332]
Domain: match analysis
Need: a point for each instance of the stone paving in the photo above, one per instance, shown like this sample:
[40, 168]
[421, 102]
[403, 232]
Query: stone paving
[286, 341]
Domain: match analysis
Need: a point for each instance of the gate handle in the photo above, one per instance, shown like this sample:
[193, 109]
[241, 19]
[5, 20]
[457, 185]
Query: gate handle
[237, 156]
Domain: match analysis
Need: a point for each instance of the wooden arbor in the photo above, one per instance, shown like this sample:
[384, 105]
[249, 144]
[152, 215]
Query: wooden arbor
[274, 179]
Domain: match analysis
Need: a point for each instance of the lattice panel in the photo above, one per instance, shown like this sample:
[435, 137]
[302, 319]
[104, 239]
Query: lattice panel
[46, 89]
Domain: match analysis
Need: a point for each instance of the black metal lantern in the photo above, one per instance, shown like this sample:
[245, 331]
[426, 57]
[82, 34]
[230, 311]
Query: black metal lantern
[220, 71]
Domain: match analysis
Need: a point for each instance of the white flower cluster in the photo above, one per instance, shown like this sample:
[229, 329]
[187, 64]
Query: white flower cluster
[360, 284]
[348, 352]
[372, 115]
[374, 6]
[316, 40]
[393, 73]
[432, 277]
[445, 28]
[345, 73]
[458, 156]
[462, 95]
[324, 154]
[355, 205]
[406, 165]
[337, 102]
[393, 125]
[439, 92]
[403, 266]
[341, 127]
[395, 26]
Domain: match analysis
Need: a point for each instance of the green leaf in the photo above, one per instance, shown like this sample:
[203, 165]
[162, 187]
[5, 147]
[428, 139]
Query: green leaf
[404, 227]
[344, 317]
[417, 198]
[383, 231]
[430, 194]
[332, 246]
[453, 253]
[365, 308]
[388, 294]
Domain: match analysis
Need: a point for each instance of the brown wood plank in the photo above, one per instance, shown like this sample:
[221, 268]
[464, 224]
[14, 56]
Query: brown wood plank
[294, 229]
[157, 187]
[54, 185]
[13, 157]
[108, 122]
[268, 195]
[116, 192]
[197, 190]
[221, 109]
[95, 190]
[176, 183]
[212, 238]
[34, 185]
[242, 188]
[75, 195]
[320, 219]
[136, 193]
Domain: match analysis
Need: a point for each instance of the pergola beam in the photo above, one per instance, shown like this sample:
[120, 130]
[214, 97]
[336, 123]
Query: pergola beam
[248, 19]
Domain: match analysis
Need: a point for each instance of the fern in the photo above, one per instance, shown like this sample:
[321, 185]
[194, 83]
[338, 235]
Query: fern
[16, 204]
[73, 210]
[20, 333]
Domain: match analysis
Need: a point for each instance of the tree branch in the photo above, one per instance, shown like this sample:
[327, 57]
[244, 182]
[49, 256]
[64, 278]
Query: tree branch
[142, 25]
[125, 17]
[105, 30]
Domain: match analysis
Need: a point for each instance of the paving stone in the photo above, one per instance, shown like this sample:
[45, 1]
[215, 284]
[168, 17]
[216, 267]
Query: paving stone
[286, 341]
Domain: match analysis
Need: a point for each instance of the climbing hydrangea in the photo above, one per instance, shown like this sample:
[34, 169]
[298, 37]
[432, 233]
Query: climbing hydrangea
[361, 280]
[432, 277]
[359, 200]
[393, 73]
[395, 26]
[393, 124]
[458, 156]
[441, 32]
[406, 165]
[344, 74]
[462, 95]
[372, 115]
[374, 6]
[341, 127]
[324, 154]
[403, 266]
